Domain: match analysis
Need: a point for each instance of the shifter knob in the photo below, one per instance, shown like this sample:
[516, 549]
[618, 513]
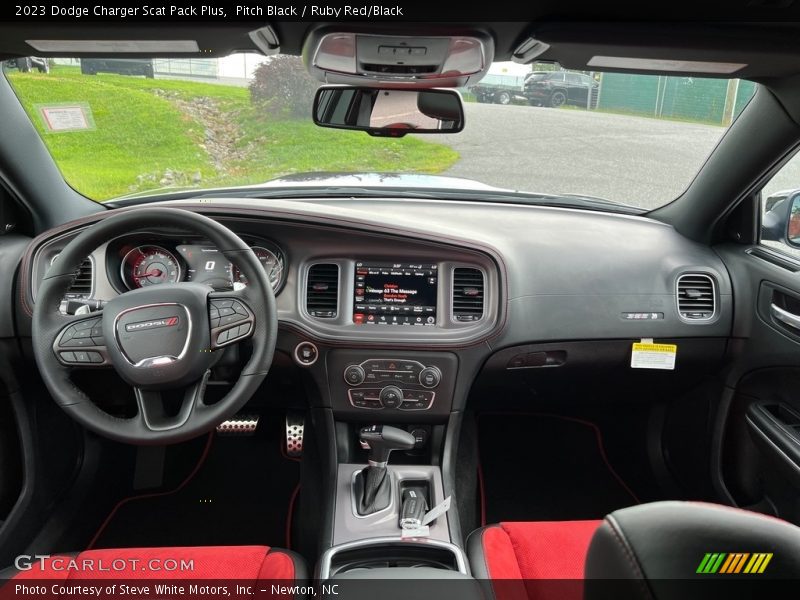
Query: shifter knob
[381, 440]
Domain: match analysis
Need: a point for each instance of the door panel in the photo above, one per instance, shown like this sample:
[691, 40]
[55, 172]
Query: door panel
[760, 441]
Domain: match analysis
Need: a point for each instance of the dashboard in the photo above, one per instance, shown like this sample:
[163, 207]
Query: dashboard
[427, 274]
[397, 305]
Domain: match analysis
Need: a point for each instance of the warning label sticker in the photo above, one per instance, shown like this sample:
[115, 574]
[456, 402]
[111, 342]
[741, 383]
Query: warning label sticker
[647, 355]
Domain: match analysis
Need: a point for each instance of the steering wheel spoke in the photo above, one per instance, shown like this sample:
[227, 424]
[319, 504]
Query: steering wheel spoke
[230, 318]
[81, 343]
[152, 406]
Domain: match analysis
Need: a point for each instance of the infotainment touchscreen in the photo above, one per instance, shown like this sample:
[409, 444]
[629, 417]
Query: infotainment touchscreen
[402, 294]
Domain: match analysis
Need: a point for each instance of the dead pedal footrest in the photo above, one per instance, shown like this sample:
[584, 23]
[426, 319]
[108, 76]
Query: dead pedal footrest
[295, 424]
[239, 425]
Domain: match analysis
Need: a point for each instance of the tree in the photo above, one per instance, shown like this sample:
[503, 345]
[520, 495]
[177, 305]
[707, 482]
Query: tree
[283, 88]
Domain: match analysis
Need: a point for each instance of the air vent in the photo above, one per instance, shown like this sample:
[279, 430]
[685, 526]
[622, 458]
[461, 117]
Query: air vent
[82, 285]
[322, 291]
[467, 294]
[696, 297]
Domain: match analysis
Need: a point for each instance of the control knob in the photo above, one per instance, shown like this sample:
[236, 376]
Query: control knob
[391, 396]
[354, 375]
[430, 377]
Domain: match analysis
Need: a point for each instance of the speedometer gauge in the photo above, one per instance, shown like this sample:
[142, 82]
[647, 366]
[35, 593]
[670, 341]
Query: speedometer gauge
[149, 265]
[273, 267]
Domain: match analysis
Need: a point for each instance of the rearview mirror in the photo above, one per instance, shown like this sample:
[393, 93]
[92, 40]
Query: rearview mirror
[388, 112]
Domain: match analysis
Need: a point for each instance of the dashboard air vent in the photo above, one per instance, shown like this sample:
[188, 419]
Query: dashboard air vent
[467, 294]
[82, 284]
[322, 291]
[696, 298]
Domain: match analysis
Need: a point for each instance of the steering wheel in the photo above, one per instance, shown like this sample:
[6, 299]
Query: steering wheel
[157, 338]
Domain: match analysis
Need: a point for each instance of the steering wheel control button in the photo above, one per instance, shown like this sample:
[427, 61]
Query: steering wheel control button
[354, 375]
[391, 396]
[306, 354]
[67, 356]
[430, 377]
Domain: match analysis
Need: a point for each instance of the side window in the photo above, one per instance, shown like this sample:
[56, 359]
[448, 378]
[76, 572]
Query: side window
[557, 77]
[780, 209]
[574, 78]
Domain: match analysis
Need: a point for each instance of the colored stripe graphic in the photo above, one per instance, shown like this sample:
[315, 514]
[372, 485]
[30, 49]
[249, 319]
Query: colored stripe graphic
[734, 562]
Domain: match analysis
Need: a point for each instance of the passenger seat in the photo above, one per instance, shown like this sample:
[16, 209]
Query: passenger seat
[636, 552]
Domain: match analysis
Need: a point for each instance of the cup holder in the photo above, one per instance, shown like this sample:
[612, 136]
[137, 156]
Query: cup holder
[391, 553]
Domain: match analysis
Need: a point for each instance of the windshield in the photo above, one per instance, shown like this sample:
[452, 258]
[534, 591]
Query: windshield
[117, 127]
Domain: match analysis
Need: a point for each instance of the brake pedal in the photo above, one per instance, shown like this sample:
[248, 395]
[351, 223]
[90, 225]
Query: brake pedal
[239, 425]
[295, 424]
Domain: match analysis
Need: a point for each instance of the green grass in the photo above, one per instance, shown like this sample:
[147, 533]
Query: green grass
[139, 135]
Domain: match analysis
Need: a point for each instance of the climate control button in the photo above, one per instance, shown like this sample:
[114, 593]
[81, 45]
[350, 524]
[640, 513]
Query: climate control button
[354, 375]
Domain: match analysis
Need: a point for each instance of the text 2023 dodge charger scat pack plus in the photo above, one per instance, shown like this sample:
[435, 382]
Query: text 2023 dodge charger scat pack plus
[289, 313]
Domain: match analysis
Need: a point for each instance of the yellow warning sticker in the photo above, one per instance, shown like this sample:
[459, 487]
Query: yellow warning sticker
[653, 356]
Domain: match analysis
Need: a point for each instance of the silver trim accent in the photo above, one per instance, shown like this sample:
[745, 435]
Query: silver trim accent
[784, 316]
[379, 464]
[154, 360]
[297, 358]
[327, 556]
[127, 254]
[713, 297]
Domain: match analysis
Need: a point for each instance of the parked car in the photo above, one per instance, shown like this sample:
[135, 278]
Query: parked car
[557, 88]
[26, 63]
[123, 66]
[499, 89]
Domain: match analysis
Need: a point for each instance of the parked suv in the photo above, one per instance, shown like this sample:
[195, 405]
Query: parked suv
[557, 88]
[123, 66]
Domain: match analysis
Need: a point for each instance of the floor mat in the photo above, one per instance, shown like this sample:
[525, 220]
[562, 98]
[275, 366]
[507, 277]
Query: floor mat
[239, 495]
[543, 467]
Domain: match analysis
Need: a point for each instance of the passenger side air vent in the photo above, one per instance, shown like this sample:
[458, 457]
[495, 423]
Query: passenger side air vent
[322, 291]
[467, 294]
[696, 298]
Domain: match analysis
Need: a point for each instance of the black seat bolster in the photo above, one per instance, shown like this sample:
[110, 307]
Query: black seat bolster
[648, 546]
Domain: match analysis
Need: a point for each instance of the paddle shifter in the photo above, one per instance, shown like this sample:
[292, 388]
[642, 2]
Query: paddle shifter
[373, 487]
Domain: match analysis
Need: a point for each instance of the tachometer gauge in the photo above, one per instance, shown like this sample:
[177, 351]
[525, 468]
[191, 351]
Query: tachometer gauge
[272, 263]
[149, 265]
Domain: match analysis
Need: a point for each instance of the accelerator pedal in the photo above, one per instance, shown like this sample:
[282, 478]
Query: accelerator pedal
[295, 424]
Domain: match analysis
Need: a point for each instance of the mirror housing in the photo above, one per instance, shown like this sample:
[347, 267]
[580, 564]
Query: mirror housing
[793, 221]
[388, 112]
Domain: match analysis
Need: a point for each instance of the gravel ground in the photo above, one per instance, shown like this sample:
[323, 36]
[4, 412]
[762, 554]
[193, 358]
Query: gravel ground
[635, 160]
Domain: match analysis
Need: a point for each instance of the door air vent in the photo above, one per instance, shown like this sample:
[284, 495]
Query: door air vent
[696, 297]
[322, 291]
[467, 294]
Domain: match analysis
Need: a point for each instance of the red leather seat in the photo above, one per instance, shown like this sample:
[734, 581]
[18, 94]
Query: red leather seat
[180, 563]
[532, 560]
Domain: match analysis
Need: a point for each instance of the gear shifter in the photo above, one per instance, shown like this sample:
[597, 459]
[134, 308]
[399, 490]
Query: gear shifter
[372, 487]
